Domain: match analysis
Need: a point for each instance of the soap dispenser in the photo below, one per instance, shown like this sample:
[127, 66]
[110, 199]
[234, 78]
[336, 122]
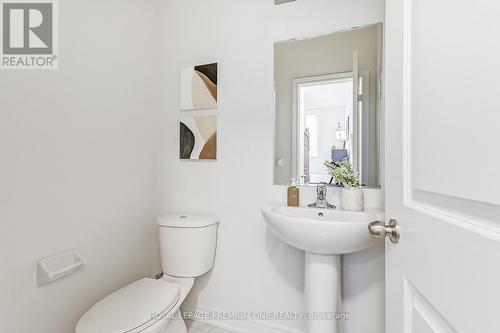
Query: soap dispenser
[293, 193]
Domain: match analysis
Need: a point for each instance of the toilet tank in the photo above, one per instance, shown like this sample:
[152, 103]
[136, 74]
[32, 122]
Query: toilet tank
[187, 244]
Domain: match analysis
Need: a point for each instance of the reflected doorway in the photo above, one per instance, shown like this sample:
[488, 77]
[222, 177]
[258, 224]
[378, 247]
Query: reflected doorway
[324, 124]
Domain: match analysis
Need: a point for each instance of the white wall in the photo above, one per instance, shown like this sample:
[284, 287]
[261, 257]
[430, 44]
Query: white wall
[254, 271]
[77, 147]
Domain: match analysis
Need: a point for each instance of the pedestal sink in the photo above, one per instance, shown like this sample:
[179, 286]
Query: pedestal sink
[324, 234]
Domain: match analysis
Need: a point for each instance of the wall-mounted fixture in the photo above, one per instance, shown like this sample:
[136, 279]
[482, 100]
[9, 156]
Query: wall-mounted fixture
[279, 2]
[57, 266]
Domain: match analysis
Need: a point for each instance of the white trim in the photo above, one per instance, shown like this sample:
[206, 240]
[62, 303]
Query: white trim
[408, 299]
[356, 117]
[237, 325]
[416, 302]
[476, 225]
[407, 106]
[366, 131]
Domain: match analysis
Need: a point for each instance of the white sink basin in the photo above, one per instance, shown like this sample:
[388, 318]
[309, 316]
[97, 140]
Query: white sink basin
[321, 231]
[324, 234]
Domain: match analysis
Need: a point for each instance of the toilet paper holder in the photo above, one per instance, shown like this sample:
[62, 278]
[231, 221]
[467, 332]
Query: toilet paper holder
[57, 266]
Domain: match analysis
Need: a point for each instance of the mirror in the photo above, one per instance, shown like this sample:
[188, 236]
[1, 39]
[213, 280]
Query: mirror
[328, 105]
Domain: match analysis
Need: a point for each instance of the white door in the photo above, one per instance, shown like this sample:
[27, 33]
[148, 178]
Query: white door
[442, 123]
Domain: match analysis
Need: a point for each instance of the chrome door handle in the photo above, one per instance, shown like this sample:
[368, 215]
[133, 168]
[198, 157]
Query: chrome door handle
[380, 230]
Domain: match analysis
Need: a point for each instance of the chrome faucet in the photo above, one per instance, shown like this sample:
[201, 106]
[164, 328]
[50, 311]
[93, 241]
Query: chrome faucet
[321, 201]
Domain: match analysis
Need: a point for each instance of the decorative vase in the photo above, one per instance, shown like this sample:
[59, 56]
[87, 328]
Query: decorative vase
[352, 199]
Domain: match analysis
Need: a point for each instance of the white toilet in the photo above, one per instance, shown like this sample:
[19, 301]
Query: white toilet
[187, 249]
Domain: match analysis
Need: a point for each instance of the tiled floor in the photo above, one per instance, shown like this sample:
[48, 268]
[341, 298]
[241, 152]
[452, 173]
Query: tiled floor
[197, 327]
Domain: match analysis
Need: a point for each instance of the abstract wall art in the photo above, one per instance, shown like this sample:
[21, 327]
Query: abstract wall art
[198, 138]
[198, 88]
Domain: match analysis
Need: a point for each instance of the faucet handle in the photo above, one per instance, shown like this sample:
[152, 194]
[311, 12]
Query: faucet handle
[321, 190]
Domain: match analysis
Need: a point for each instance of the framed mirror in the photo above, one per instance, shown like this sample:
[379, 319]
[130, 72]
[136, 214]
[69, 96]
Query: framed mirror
[328, 105]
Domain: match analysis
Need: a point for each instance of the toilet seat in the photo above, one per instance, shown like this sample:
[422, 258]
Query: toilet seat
[132, 309]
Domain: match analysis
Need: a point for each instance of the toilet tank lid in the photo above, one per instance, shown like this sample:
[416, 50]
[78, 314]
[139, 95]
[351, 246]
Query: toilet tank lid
[186, 221]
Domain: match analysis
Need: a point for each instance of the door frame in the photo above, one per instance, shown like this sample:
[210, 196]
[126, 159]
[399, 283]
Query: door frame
[296, 124]
[314, 80]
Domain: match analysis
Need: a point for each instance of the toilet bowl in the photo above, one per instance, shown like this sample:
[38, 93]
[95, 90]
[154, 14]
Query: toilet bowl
[187, 250]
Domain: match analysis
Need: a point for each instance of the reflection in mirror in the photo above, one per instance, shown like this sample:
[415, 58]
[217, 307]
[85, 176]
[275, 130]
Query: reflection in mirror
[327, 92]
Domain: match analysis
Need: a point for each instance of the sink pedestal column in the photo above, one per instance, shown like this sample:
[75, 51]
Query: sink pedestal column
[322, 292]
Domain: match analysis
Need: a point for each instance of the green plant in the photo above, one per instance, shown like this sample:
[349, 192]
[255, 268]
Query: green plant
[342, 173]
